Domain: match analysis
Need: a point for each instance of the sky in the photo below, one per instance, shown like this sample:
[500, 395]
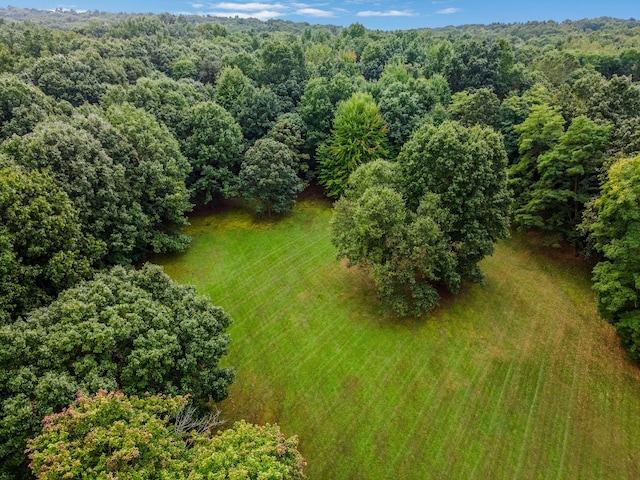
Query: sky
[373, 14]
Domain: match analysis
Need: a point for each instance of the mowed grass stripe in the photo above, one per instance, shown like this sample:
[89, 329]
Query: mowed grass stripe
[516, 379]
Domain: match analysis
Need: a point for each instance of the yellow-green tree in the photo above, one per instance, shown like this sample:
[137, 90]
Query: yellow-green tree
[359, 136]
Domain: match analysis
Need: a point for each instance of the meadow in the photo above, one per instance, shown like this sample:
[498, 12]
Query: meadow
[516, 379]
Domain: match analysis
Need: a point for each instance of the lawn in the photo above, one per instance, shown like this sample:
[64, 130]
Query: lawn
[516, 379]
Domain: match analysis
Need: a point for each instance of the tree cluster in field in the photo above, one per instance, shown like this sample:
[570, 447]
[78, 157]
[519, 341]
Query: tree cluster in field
[431, 142]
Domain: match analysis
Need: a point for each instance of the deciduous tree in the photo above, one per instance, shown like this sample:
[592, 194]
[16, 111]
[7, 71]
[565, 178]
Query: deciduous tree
[42, 246]
[130, 330]
[111, 435]
[212, 142]
[268, 179]
[359, 135]
[428, 220]
[617, 238]
[568, 179]
[466, 168]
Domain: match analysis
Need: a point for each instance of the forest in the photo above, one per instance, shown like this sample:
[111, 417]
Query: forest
[434, 145]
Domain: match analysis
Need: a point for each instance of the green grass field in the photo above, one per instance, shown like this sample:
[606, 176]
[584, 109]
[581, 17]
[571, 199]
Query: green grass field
[518, 379]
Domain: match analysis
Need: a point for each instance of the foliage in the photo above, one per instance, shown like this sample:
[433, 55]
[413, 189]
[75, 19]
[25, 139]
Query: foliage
[435, 224]
[42, 248]
[97, 186]
[232, 84]
[212, 142]
[318, 105]
[111, 435]
[403, 110]
[248, 451]
[167, 99]
[539, 133]
[377, 173]
[478, 108]
[22, 106]
[268, 177]
[291, 130]
[403, 253]
[257, 111]
[158, 177]
[513, 111]
[568, 178]
[67, 78]
[617, 237]
[133, 330]
[474, 193]
[358, 136]
[283, 69]
[557, 66]
[478, 63]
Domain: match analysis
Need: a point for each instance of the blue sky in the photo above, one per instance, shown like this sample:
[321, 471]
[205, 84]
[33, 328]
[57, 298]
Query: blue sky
[371, 13]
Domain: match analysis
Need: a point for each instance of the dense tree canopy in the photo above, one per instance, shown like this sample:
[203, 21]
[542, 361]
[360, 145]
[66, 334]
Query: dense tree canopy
[617, 237]
[67, 78]
[22, 106]
[42, 247]
[212, 141]
[133, 330]
[318, 105]
[157, 177]
[567, 180]
[97, 186]
[127, 183]
[110, 435]
[113, 125]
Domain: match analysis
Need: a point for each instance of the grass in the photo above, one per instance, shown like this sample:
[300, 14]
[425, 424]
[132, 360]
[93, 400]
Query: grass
[518, 379]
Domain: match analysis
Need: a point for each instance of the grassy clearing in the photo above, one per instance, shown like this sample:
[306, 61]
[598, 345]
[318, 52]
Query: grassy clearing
[516, 379]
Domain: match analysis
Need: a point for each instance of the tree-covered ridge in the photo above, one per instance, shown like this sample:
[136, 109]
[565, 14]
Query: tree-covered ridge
[114, 128]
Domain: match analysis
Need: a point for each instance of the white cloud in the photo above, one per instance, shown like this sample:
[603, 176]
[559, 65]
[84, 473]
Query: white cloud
[388, 13]
[197, 5]
[249, 7]
[446, 11]
[315, 12]
[261, 15]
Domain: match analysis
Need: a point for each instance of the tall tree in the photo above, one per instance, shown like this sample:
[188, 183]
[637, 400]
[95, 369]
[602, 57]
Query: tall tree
[283, 69]
[466, 168]
[165, 98]
[67, 78]
[359, 135]
[22, 106]
[539, 133]
[405, 253]
[318, 105]
[97, 186]
[212, 142]
[268, 177]
[568, 179]
[158, 176]
[42, 247]
[478, 108]
[617, 238]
